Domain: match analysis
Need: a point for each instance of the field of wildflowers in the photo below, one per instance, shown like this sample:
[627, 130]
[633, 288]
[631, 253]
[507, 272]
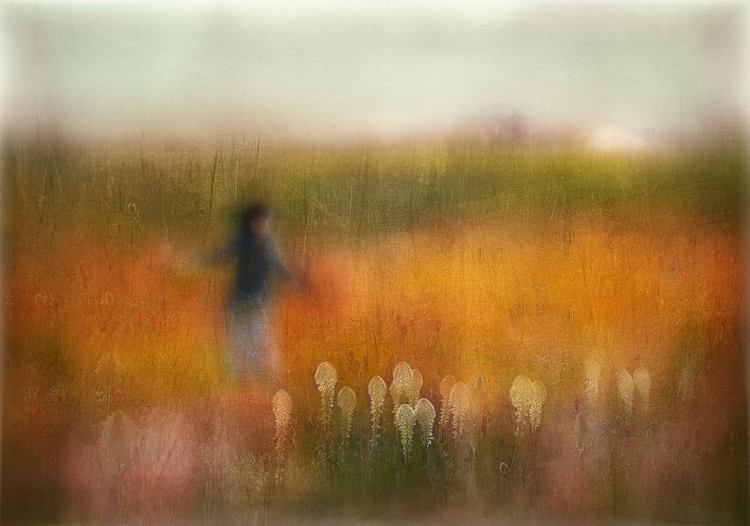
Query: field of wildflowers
[485, 332]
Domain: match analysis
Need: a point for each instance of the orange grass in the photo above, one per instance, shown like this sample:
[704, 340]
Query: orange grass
[485, 299]
[493, 299]
[479, 299]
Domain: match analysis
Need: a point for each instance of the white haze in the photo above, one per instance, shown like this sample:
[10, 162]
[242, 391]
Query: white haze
[385, 68]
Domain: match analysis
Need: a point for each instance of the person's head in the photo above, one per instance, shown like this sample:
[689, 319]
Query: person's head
[255, 220]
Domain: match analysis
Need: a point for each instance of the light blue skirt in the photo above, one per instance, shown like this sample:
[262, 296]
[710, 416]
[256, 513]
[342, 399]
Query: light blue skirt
[250, 347]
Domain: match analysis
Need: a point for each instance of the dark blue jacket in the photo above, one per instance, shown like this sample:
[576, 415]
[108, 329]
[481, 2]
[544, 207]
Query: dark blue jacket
[254, 259]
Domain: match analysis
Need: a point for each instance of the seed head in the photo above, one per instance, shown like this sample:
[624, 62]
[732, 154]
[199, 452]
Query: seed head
[535, 408]
[522, 395]
[458, 404]
[405, 418]
[416, 386]
[347, 401]
[401, 387]
[447, 385]
[642, 383]
[425, 415]
[325, 379]
[592, 381]
[281, 404]
[377, 391]
[625, 388]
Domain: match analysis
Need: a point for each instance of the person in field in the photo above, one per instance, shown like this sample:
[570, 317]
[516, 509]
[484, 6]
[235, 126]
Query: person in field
[251, 351]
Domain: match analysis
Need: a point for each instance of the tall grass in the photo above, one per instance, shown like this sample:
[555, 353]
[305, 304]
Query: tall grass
[349, 192]
[435, 262]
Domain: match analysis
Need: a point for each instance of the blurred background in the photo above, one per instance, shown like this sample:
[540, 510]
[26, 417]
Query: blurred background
[535, 209]
[337, 70]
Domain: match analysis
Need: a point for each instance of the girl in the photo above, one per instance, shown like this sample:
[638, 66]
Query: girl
[250, 347]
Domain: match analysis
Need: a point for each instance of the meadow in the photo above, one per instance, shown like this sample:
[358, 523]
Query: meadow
[576, 319]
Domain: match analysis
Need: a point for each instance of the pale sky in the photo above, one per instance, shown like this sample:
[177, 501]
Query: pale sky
[343, 68]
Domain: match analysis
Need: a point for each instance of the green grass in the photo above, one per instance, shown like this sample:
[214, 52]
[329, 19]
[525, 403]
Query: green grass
[354, 191]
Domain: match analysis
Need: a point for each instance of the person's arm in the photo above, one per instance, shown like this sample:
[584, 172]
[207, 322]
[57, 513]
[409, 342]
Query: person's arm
[221, 254]
[196, 263]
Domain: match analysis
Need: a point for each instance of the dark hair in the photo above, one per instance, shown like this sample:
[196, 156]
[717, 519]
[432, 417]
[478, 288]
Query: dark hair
[251, 214]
